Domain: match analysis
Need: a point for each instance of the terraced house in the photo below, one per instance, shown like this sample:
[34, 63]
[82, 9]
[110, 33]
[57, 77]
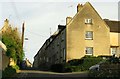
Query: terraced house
[84, 34]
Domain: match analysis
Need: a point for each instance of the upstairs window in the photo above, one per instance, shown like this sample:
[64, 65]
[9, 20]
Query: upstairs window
[89, 35]
[89, 50]
[64, 54]
[88, 21]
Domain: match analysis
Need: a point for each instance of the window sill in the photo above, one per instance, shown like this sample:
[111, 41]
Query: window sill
[88, 54]
[88, 38]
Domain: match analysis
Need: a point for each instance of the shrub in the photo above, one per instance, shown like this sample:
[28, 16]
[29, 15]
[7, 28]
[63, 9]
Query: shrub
[114, 60]
[57, 68]
[16, 67]
[68, 69]
[107, 70]
[88, 62]
[76, 62]
[8, 72]
[76, 65]
[84, 63]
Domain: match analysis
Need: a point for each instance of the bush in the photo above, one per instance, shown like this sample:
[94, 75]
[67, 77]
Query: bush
[16, 67]
[88, 62]
[76, 65]
[8, 72]
[83, 64]
[68, 70]
[107, 70]
[114, 60]
[76, 62]
[57, 68]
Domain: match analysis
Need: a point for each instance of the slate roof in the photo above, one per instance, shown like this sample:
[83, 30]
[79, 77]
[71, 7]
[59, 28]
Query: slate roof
[114, 25]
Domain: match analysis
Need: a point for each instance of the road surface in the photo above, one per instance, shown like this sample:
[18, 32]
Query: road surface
[35, 74]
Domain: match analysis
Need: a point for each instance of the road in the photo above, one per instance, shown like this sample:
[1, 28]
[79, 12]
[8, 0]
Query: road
[35, 74]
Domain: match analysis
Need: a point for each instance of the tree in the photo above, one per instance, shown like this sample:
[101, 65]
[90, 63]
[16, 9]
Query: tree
[11, 38]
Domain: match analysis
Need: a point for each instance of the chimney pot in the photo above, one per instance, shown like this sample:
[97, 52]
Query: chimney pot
[79, 7]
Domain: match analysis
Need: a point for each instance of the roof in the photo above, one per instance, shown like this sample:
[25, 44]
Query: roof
[87, 4]
[60, 29]
[114, 25]
[46, 44]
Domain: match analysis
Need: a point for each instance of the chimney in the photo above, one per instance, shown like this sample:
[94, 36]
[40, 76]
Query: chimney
[79, 7]
[68, 19]
[6, 22]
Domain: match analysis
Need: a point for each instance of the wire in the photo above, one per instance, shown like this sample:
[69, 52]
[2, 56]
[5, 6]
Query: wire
[18, 17]
[34, 33]
[15, 10]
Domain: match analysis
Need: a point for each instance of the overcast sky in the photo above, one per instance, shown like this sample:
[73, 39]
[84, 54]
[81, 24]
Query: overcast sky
[39, 16]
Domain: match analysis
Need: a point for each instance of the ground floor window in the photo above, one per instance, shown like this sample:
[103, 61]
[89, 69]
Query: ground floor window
[89, 50]
[113, 50]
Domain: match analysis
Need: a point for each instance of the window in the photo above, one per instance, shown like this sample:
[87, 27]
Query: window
[89, 50]
[62, 39]
[44, 58]
[88, 21]
[64, 54]
[40, 58]
[58, 44]
[89, 35]
[47, 60]
[113, 50]
[51, 39]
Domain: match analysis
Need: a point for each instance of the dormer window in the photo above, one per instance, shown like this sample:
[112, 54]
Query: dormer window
[88, 21]
[50, 39]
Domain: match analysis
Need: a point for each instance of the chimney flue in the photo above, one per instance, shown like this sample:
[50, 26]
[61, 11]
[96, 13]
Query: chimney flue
[68, 19]
[79, 7]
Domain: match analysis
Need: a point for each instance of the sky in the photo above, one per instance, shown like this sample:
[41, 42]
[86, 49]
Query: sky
[43, 17]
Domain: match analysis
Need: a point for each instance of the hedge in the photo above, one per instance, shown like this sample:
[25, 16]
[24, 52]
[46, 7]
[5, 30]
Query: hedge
[76, 65]
[8, 72]
[83, 64]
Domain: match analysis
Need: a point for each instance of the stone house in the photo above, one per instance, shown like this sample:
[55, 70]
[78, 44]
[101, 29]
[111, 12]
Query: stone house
[84, 34]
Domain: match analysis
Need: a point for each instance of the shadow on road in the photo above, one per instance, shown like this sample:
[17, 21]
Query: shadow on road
[35, 74]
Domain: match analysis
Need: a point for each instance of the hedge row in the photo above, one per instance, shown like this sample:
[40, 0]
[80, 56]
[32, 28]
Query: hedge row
[76, 65]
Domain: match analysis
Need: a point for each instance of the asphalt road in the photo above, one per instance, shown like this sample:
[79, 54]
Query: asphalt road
[35, 74]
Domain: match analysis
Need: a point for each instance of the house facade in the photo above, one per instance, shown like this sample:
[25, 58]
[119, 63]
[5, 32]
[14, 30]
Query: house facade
[84, 34]
[114, 37]
[4, 60]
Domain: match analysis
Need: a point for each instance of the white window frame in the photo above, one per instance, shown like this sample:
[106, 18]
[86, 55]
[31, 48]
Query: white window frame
[113, 49]
[86, 50]
[89, 35]
[88, 21]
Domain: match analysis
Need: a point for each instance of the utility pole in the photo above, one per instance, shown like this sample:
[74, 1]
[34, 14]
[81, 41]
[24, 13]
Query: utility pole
[23, 29]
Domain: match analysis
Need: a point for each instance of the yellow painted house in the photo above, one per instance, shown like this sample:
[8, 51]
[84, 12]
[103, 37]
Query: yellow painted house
[87, 34]
[84, 34]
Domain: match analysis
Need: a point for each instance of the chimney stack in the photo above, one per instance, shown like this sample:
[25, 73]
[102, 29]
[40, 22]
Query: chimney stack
[68, 19]
[6, 22]
[79, 7]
